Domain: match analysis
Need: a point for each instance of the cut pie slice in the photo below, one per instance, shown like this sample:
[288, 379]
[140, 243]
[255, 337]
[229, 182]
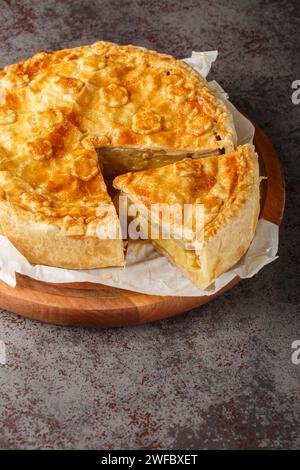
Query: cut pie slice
[227, 190]
[138, 108]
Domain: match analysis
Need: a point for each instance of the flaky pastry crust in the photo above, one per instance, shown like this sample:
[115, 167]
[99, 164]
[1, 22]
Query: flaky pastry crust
[57, 108]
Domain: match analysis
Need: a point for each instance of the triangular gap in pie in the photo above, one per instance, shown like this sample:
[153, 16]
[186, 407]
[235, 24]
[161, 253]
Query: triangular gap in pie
[139, 108]
[227, 187]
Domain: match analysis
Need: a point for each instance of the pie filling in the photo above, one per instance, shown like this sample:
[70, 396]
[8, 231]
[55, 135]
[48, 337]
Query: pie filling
[186, 259]
[116, 161]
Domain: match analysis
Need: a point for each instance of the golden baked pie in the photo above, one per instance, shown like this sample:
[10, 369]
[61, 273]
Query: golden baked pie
[226, 187]
[138, 108]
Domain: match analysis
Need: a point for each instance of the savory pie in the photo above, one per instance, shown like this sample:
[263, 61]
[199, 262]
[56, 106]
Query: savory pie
[138, 108]
[226, 187]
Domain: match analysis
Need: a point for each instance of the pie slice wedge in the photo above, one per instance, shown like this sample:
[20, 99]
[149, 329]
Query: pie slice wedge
[225, 187]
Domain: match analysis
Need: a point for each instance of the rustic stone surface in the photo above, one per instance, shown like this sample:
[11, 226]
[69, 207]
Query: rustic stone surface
[220, 376]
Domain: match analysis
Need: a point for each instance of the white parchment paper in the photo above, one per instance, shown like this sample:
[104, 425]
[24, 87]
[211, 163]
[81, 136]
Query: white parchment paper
[146, 271]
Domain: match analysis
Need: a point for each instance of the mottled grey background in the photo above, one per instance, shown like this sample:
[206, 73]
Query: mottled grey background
[220, 376]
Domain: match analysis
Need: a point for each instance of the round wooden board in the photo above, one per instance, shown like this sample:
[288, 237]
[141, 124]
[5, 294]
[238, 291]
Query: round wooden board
[89, 304]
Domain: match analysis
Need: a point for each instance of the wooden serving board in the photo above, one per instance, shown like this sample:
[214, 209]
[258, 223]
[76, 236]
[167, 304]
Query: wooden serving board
[90, 304]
